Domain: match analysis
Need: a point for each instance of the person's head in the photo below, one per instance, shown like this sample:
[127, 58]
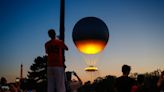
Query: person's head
[162, 74]
[69, 75]
[52, 33]
[3, 80]
[126, 69]
[140, 79]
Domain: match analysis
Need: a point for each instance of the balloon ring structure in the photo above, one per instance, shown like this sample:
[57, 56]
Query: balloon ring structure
[90, 35]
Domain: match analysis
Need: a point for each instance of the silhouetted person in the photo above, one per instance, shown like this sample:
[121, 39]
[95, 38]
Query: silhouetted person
[73, 85]
[3, 85]
[160, 83]
[124, 83]
[3, 81]
[140, 85]
[55, 69]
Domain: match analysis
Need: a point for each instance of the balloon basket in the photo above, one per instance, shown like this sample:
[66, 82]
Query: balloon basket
[91, 69]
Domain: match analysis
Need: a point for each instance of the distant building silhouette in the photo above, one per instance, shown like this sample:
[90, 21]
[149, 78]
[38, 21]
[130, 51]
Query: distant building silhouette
[21, 71]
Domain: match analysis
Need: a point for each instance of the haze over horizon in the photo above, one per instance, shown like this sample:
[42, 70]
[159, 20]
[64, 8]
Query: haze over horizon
[136, 29]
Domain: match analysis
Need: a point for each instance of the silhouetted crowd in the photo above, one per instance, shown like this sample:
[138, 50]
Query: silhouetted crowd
[17, 86]
[124, 83]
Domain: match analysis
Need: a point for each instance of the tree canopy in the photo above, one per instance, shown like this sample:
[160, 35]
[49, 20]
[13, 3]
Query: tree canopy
[38, 70]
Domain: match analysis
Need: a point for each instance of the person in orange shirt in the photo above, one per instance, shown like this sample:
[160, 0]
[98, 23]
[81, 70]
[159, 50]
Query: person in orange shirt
[55, 66]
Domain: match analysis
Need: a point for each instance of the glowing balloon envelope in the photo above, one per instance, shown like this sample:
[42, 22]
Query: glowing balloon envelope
[90, 35]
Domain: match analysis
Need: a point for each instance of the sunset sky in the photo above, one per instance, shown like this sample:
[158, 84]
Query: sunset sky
[136, 34]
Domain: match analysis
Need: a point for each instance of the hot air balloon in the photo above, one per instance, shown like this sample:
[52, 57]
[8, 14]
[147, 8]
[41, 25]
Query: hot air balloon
[90, 36]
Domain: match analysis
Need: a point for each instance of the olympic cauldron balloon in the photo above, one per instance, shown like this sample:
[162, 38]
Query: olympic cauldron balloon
[90, 35]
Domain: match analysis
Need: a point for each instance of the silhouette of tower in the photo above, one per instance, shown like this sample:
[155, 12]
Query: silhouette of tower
[21, 71]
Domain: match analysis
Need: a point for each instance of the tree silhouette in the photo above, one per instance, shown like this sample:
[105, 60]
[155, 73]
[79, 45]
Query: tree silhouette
[105, 84]
[38, 69]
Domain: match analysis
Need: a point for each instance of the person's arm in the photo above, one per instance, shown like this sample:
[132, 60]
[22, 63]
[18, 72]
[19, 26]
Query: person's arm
[46, 49]
[77, 77]
[65, 47]
[62, 44]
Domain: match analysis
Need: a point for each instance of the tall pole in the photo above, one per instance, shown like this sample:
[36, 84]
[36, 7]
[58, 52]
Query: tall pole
[62, 20]
[62, 29]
